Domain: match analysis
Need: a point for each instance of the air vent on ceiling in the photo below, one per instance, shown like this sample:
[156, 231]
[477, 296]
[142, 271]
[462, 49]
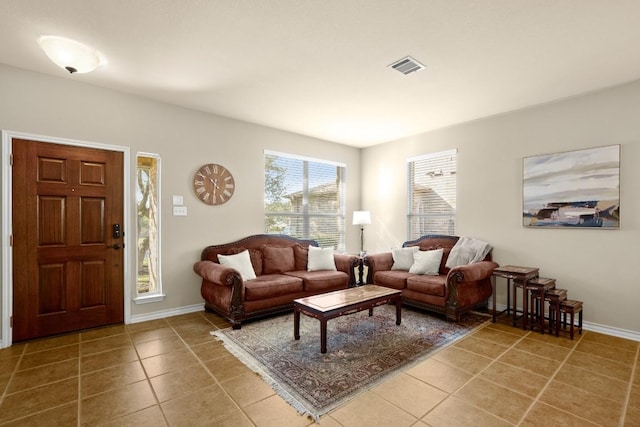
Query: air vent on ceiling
[407, 65]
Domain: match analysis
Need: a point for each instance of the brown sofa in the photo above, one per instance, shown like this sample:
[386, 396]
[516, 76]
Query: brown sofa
[452, 292]
[280, 264]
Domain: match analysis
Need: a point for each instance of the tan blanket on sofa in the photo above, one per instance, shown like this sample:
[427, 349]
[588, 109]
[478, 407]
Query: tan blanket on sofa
[467, 250]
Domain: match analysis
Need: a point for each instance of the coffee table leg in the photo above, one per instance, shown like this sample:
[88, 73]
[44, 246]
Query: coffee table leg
[323, 336]
[296, 324]
[398, 311]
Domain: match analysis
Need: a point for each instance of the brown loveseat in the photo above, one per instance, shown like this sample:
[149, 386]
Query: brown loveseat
[451, 292]
[280, 266]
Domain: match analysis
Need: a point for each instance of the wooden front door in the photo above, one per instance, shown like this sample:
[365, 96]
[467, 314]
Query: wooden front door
[68, 271]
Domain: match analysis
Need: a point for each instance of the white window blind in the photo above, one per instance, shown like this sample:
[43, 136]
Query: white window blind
[431, 194]
[304, 198]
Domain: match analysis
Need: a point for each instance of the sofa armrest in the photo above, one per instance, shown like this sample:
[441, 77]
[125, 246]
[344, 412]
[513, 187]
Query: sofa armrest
[377, 262]
[216, 273]
[346, 263]
[472, 272]
[467, 286]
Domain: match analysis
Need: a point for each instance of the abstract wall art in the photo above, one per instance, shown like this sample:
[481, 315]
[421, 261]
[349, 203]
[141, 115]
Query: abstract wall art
[572, 189]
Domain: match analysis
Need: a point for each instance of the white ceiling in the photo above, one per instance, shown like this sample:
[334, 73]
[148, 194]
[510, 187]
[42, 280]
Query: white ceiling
[319, 67]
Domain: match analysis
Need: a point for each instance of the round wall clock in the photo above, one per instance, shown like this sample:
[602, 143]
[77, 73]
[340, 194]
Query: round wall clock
[214, 184]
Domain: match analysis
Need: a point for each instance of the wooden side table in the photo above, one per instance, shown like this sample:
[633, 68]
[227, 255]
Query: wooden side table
[538, 286]
[513, 272]
[358, 270]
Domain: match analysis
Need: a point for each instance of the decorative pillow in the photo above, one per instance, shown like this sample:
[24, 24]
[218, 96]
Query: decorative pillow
[321, 259]
[254, 254]
[301, 255]
[426, 262]
[467, 251]
[277, 259]
[403, 257]
[241, 262]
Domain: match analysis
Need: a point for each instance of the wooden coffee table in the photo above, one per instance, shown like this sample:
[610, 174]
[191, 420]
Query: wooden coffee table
[339, 303]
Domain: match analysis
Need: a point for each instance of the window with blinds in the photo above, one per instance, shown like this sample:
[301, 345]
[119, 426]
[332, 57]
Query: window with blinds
[431, 194]
[304, 198]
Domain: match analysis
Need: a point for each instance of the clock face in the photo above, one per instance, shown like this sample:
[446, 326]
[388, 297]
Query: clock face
[214, 184]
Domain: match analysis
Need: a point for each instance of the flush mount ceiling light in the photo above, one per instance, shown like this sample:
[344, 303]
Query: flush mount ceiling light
[71, 55]
[407, 65]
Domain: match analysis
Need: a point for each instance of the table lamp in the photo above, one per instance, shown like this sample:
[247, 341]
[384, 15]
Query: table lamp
[361, 218]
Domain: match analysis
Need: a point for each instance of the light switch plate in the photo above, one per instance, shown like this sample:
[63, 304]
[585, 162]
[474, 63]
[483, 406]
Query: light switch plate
[179, 211]
[178, 200]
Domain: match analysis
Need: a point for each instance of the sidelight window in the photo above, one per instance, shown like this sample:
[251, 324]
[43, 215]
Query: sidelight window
[148, 225]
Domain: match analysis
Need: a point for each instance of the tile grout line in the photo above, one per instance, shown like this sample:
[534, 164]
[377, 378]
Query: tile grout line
[541, 392]
[146, 375]
[404, 371]
[215, 379]
[625, 405]
[477, 374]
[13, 373]
[79, 407]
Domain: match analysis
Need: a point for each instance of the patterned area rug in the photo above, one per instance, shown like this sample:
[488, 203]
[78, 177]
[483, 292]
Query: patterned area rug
[361, 352]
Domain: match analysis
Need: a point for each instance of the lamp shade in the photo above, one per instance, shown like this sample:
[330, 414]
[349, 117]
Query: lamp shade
[71, 55]
[361, 217]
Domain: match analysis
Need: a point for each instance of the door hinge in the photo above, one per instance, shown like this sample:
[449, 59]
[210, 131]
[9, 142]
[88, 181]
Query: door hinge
[11, 240]
[10, 159]
[11, 322]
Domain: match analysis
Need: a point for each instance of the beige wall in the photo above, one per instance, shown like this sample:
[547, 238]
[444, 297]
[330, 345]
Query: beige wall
[186, 139]
[599, 267]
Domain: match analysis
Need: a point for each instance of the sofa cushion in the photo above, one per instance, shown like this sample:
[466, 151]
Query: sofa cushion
[396, 279]
[430, 285]
[321, 259]
[403, 257]
[300, 255]
[270, 286]
[321, 281]
[277, 259]
[426, 262]
[241, 262]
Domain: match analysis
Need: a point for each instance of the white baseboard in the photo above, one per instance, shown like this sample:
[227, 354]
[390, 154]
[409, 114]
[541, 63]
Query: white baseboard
[596, 327]
[137, 318]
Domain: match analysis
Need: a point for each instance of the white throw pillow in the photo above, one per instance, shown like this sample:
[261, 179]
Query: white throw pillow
[427, 262]
[241, 262]
[403, 257]
[320, 259]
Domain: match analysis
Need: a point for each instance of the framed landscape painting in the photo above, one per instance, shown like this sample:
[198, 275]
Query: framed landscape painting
[572, 189]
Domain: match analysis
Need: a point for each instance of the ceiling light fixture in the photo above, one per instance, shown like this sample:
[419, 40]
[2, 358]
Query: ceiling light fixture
[73, 56]
[407, 65]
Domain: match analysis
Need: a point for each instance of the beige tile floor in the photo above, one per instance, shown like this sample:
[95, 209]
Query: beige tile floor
[172, 372]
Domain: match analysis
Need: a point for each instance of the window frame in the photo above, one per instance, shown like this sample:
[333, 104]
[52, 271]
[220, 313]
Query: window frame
[157, 295]
[305, 214]
[410, 194]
